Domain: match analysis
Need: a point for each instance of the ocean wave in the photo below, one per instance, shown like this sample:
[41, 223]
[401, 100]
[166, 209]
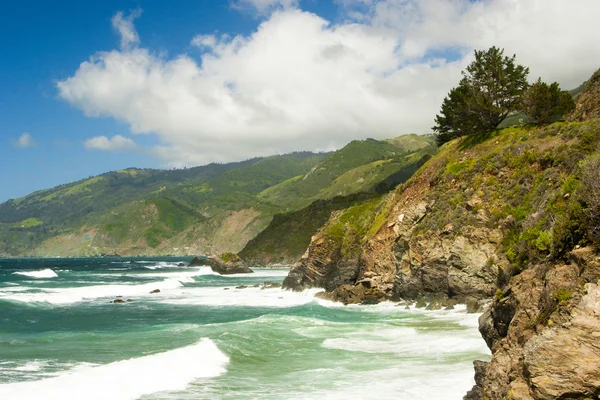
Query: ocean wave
[407, 341]
[249, 297]
[73, 295]
[43, 273]
[128, 379]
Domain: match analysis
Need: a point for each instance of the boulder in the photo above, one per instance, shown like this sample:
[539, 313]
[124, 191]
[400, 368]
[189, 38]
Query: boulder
[271, 285]
[197, 262]
[155, 291]
[227, 265]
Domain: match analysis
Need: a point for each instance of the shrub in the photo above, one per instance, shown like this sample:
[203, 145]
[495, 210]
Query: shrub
[230, 257]
[546, 103]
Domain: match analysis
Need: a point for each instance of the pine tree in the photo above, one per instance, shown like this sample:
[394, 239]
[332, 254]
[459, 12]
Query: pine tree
[490, 89]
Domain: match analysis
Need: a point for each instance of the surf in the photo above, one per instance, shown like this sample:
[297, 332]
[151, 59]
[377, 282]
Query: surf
[129, 379]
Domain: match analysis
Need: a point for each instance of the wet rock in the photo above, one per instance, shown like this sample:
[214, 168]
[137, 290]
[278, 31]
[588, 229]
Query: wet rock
[324, 295]
[181, 265]
[242, 287]
[155, 291]
[197, 262]
[227, 267]
[370, 299]
[118, 301]
[473, 305]
[271, 285]
[476, 393]
[421, 303]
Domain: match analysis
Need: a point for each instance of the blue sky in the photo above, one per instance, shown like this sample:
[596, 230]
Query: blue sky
[45, 41]
[227, 80]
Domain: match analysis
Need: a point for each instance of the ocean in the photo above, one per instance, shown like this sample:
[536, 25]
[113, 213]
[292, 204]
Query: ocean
[205, 336]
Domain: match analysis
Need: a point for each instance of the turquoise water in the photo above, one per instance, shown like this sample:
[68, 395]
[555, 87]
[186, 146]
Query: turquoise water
[201, 338]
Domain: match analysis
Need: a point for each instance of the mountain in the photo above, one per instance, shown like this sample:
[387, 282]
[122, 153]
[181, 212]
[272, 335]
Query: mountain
[202, 210]
[510, 220]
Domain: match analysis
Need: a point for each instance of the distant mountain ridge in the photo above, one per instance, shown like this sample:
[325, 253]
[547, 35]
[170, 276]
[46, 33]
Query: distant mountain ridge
[200, 210]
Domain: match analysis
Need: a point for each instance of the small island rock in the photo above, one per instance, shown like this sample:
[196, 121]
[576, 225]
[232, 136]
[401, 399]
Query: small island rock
[227, 264]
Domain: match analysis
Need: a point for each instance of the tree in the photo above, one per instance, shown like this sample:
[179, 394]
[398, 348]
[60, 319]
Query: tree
[546, 103]
[490, 89]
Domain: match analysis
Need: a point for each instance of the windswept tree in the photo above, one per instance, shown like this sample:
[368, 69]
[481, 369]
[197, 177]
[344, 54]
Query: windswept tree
[546, 103]
[490, 89]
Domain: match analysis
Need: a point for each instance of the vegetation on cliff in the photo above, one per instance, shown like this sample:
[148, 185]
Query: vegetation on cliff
[492, 88]
[512, 216]
[209, 209]
[288, 235]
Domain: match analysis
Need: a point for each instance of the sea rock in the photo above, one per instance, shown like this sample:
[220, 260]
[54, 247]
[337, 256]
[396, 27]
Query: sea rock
[476, 393]
[181, 264]
[118, 301]
[197, 262]
[271, 285]
[228, 266]
[155, 291]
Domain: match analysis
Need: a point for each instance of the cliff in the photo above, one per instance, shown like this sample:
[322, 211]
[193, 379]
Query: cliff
[511, 216]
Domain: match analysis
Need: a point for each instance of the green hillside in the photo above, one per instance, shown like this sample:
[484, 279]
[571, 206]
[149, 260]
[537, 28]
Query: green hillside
[207, 209]
[288, 235]
[357, 167]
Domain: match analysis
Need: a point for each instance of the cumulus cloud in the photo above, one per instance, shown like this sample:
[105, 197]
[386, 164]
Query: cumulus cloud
[116, 143]
[301, 82]
[123, 24]
[24, 141]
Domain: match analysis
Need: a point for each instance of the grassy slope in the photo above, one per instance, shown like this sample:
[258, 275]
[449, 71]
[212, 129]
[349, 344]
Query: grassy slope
[341, 172]
[212, 208]
[529, 181]
[142, 208]
[289, 234]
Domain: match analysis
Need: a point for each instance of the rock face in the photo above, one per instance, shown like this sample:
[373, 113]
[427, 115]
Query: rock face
[401, 262]
[229, 267]
[544, 333]
[588, 103]
[323, 266]
[197, 262]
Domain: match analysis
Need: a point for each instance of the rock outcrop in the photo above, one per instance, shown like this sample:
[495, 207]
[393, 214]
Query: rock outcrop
[227, 264]
[323, 266]
[588, 103]
[544, 333]
[504, 219]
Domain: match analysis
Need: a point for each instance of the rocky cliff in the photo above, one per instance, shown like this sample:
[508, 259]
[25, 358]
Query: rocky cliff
[512, 216]
[543, 329]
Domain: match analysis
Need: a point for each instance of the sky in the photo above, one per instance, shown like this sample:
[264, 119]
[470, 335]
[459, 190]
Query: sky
[89, 87]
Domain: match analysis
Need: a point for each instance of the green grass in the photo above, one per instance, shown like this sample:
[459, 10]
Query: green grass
[28, 223]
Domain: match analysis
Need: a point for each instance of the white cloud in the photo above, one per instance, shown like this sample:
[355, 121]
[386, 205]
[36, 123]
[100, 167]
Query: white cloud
[124, 26]
[25, 140]
[300, 82]
[264, 6]
[116, 143]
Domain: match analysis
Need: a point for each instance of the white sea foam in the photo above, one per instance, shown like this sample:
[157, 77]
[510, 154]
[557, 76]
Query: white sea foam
[408, 342]
[162, 264]
[73, 295]
[128, 379]
[251, 297]
[406, 382]
[43, 273]
[192, 272]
